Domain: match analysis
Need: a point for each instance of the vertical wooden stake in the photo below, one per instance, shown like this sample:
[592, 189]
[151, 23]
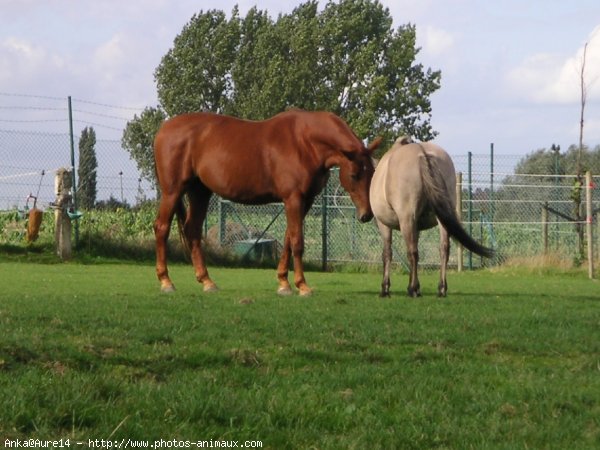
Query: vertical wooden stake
[459, 248]
[589, 223]
[62, 185]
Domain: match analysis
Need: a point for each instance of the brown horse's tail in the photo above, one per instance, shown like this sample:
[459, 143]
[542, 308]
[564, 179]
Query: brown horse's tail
[433, 183]
[181, 213]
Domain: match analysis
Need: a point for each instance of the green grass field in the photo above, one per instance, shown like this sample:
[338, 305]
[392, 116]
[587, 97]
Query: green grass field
[511, 359]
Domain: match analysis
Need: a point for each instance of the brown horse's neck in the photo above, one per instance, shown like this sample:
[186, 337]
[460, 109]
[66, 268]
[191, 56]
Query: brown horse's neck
[334, 159]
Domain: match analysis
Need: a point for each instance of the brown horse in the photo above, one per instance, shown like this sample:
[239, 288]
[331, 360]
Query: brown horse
[414, 189]
[285, 158]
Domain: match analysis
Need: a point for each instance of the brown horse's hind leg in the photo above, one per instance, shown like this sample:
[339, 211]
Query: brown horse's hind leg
[199, 198]
[444, 255]
[386, 235]
[162, 227]
[411, 237]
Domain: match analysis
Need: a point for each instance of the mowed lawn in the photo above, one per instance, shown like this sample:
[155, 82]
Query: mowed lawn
[510, 359]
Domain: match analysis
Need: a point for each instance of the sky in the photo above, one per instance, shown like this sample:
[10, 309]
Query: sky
[510, 69]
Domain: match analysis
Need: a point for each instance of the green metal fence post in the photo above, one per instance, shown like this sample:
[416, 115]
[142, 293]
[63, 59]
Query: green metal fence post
[74, 197]
[324, 225]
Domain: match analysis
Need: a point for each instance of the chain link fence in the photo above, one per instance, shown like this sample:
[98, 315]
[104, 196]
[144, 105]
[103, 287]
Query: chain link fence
[518, 215]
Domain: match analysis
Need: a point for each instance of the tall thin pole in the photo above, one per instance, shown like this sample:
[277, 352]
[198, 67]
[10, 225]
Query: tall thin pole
[470, 209]
[73, 169]
[492, 183]
[492, 206]
[121, 179]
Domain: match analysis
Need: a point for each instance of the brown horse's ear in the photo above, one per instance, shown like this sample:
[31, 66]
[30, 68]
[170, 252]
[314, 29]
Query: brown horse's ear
[375, 143]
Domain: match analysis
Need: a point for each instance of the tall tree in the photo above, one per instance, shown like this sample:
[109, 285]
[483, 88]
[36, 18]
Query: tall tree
[347, 59]
[195, 75]
[88, 164]
[550, 162]
[138, 140]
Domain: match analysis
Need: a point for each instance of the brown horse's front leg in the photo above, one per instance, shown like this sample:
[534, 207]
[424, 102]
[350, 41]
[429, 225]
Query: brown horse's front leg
[294, 210]
[283, 267]
[198, 206]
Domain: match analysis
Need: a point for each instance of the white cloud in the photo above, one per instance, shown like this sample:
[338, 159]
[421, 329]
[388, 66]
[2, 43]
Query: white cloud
[436, 41]
[22, 62]
[110, 58]
[551, 78]
[122, 68]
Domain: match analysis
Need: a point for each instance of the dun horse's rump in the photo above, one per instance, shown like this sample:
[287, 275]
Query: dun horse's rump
[413, 189]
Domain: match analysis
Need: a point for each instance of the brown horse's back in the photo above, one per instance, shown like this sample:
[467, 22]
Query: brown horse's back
[231, 157]
[201, 145]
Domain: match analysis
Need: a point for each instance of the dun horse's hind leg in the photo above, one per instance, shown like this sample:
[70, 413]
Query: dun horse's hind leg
[444, 255]
[386, 235]
[199, 198]
[411, 237]
[162, 227]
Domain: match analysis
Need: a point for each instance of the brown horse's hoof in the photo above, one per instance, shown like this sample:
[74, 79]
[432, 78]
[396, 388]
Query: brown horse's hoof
[305, 291]
[167, 289]
[210, 287]
[284, 290]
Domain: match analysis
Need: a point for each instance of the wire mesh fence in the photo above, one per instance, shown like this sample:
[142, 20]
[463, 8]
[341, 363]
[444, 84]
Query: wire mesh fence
[518, 215]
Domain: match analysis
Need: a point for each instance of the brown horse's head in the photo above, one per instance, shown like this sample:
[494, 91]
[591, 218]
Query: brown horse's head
[356, 172]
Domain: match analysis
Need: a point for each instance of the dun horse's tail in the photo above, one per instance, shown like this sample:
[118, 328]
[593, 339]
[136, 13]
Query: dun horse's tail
[433, 183]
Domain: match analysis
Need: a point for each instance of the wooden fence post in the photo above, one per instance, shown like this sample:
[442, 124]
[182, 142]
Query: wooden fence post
[62, 188]
[589, 223]
[459, 248]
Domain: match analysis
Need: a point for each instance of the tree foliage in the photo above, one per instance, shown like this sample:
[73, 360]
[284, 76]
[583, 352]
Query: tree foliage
[550, 162]
[347, 58]
[88, 164]
[195, 75]
[138, 139]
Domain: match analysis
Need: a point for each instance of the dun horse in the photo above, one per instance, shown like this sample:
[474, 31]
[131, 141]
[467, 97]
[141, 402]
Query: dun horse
[413, 189]
[285, 158]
